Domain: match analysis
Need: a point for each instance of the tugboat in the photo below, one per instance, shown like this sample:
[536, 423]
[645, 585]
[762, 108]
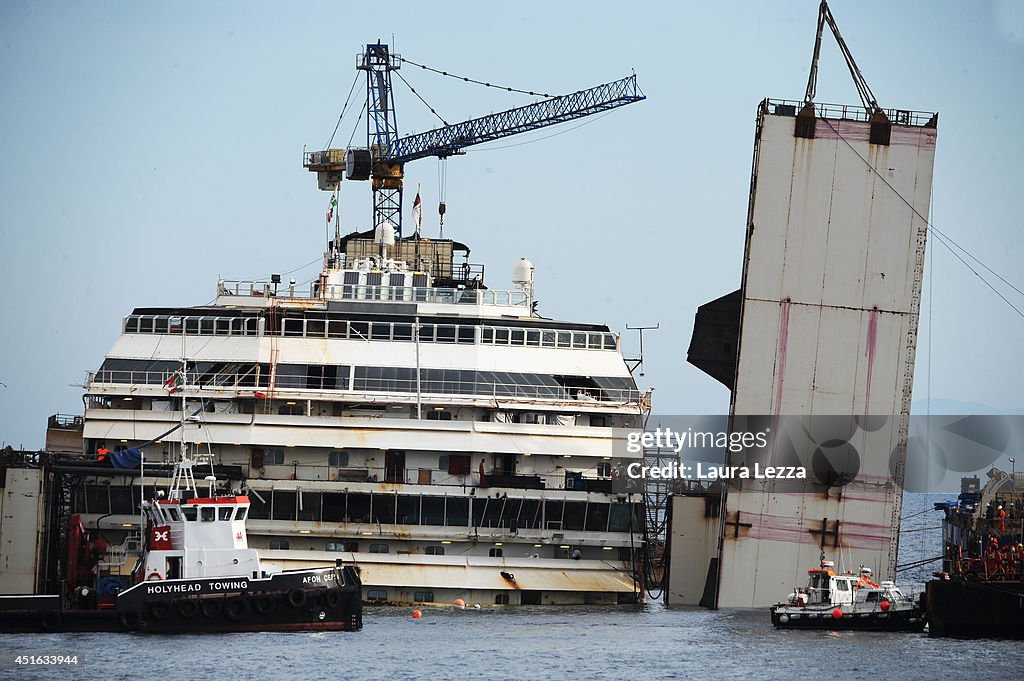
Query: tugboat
[196, 574]
[847, 601]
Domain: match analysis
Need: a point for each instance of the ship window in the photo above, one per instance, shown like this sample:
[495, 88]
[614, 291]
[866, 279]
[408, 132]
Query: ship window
[383, 508]
[423, 597]
[190, 513]
[609, 341]
[501, 336]
[279, 544]
[575, 515]
[439, 415]
[309, 503]
[293, 327]
[433, 511]
[380, 331]
[843, 584]
[121, 501]
[337, 329]
[553, 514]
[518, 337]
[206, 326]
[435, 550]
[316, 328]
[174, 513]
[241, 513]
[273, 457]
[402, 332]
[547, 339]
[419, 280]
[337, 459]
[222, 326]
[380, 548]
[618, 518]
[359, 330]
[396, 279]
[377, 595]
[594, 341]
[358, 508]
[284, 506]
[501, 599]
[564, 339]
[351, 278]
[426, 333]
[597, 517]
[457, 512]
[207, 514]
[467, 334]
[373, 278]
[487, 335]
[533, 340]
[579, 341]
[408, 510]
[131, 324]
[160, 325]
[529, 514]
[495, 553]
[225, 513]
[334, 507]
[445, 333]
[97, 499]
[146, 325]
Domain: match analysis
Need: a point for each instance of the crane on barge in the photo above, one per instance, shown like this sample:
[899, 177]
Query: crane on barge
[385, 155]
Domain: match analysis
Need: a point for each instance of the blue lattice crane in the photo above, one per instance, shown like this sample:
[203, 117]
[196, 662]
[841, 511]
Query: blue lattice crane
[386, 154]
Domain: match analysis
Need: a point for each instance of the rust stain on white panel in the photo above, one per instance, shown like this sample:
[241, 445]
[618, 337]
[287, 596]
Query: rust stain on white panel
[832, 275]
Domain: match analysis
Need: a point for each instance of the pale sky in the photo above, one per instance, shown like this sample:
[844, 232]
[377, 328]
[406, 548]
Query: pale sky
[150, 147]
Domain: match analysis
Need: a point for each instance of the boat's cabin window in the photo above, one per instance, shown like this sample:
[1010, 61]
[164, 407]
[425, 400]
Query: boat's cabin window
[225, 513]
[872, 596]
[190, 513]
[818, 580]
[241, 513]
[842, 585]
[173, 513]
[207, 513]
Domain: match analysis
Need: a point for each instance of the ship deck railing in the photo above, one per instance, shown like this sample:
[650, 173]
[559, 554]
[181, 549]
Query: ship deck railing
[386, 294]
[377, 389]
[847, 112]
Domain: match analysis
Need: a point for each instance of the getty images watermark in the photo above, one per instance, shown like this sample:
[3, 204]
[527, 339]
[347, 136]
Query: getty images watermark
[812, 454]
[667, 439]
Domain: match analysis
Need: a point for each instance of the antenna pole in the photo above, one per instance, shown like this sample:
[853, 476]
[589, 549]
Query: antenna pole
[638, 362]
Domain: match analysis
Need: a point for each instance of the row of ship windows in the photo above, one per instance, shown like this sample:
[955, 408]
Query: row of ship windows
[372, 379]
[402, 509]
[382, 331]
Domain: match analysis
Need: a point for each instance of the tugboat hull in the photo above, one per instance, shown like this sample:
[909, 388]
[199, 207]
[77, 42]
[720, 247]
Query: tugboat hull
[972, 608]
[875, 620]
[321, 600]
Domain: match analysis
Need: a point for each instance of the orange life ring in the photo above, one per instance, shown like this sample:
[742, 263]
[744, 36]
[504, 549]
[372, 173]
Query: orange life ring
[154, 576]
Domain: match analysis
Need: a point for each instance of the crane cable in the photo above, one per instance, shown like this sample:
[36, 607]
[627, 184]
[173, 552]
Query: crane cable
[420, 97]
[344, 108]
[478, 82]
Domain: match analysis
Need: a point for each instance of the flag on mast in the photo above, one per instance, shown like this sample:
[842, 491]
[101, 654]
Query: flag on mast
[417, 210]
[330, 208]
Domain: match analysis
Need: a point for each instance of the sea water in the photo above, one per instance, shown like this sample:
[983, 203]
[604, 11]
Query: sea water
[551, 643]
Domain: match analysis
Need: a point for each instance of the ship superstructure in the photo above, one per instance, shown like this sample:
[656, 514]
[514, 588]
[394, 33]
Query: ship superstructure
[398, 414]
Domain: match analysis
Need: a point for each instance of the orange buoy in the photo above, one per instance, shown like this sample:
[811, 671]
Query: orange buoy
[884, 605]
[837, 613]
[459, 603]
[416, 614]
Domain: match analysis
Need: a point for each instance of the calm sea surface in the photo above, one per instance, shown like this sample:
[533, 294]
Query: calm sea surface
[646, 642]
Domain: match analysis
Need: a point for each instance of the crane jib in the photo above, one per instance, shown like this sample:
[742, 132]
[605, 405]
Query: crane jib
[449, 140]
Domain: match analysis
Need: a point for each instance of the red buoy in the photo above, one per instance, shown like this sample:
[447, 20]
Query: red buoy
[837, 613]
[416, 614]
[884, 605]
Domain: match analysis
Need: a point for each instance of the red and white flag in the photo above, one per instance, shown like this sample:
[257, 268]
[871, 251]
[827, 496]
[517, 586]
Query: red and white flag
[417, 210]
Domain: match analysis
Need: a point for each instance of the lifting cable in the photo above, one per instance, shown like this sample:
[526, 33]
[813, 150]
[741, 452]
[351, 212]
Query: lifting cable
[943, 239]
[344, 108]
